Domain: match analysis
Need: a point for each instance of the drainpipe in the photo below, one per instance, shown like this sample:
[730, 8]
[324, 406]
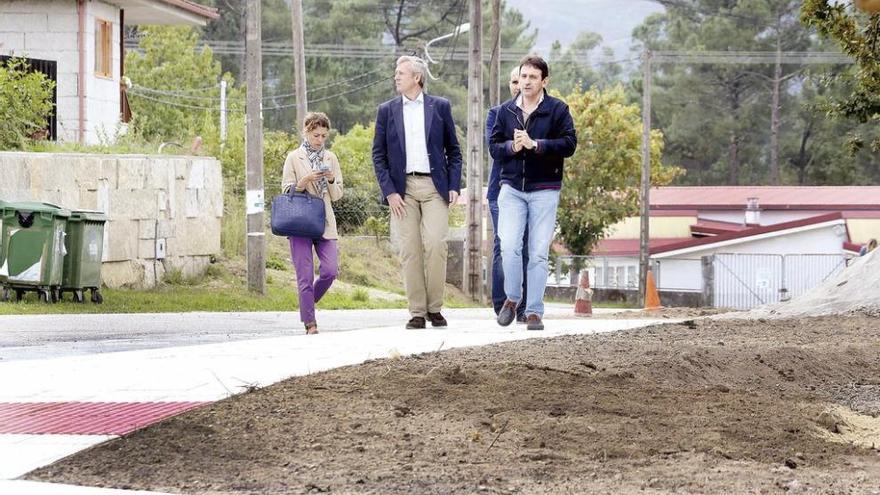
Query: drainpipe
[81, 78]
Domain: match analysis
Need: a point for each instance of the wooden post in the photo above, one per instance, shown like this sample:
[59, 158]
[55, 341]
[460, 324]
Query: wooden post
[474, 255]
[299, 63]
[256, 236]
[495, 59]
[646, 176]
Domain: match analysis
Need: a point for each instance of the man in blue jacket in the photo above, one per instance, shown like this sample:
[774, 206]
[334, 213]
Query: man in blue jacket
[498, 295]
[417, 161]
[532, 136]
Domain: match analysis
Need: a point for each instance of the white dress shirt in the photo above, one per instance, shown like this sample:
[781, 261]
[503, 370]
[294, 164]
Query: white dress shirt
[416, 141]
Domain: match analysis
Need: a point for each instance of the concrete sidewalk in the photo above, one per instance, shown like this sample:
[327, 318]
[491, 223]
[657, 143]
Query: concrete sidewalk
[204, 357]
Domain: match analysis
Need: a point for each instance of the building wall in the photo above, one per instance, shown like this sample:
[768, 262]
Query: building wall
[661, 227]
[47, 29]
[768, 217]
[178, 199]
[862, 230]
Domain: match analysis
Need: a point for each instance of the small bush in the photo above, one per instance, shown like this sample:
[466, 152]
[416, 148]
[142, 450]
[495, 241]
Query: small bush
[25, 103]
[276, 263]
[361, 295]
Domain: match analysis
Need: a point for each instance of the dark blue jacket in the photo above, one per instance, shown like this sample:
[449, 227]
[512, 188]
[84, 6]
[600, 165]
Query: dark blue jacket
[551, 126]
[389, 147]
[494, 186]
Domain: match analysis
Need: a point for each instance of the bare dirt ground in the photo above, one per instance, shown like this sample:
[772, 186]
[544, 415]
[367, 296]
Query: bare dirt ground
[705, 406]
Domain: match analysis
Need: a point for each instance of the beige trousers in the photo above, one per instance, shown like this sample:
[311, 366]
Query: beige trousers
[422, 245]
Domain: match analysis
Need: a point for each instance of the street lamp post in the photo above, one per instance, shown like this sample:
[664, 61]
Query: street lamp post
[455, 32]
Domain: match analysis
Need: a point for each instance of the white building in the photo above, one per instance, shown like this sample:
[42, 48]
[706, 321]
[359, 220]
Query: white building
[739, 246]
[80, 44]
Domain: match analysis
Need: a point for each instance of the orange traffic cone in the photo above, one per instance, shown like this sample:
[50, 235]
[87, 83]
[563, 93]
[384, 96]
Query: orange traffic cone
[583, 300]
[652, 296]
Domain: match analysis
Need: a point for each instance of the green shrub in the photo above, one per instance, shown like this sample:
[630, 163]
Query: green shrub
[25, 103]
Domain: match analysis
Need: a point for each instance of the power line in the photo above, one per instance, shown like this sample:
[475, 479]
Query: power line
[183, 94]
[337, 95]
[136, 93]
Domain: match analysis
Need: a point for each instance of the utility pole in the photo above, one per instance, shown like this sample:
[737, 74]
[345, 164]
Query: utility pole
[494, 100]
[299, 62]
[256, 236]
[222, 113]
[646, 176]
[473, 270]
[774, 109]
[495, 59]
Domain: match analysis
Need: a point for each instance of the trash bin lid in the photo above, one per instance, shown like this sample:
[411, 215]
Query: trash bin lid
[39, 207]
[88, 215]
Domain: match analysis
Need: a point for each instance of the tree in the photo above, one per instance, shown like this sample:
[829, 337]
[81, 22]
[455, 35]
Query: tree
[176, 86]
[858, 36]
[601, 185]
[571, 67]
[723, 122]
[25, 103]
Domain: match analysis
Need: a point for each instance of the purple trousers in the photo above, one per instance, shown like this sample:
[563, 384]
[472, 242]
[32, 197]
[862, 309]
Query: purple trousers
[311, 290]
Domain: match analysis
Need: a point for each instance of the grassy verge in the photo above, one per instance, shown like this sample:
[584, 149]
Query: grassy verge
[369, 278]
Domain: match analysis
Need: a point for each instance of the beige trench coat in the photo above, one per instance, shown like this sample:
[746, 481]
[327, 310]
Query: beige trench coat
[297, 165]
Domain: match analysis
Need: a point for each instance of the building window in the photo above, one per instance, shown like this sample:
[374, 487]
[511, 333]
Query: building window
[631, 278]
[104, 48]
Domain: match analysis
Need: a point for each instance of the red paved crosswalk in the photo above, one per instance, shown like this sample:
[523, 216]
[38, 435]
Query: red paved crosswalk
[85, 418]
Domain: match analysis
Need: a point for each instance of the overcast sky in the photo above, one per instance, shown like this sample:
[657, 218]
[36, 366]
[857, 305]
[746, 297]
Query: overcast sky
[563, 19]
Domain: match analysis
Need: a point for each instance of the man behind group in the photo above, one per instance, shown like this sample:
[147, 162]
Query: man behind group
[417, 161]
[498, 295]
[532, 136]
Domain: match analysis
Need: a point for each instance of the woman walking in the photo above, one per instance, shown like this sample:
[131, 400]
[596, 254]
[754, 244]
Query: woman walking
[313, 169]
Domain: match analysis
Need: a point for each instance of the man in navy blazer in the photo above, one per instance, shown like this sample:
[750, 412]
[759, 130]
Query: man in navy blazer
[417, 161]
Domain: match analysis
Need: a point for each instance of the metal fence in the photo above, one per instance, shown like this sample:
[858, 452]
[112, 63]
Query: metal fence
[738, 281]
[744, 281]
[605, 273]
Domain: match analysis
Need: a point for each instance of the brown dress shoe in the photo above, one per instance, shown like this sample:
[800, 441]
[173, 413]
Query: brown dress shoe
[415, 323]
[533, 322]
[507, 313]
[437, 320]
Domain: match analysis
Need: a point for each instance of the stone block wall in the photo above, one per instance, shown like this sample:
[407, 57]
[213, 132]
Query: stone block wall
[148, 198]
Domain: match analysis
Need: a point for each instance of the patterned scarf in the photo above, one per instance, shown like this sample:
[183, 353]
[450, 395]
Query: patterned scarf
[316, 158]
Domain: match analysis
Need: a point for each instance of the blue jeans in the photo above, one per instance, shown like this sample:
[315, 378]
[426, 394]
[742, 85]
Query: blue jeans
[498, 295]
[518, 210]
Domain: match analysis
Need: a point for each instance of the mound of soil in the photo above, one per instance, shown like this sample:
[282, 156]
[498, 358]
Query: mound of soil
[765, 406]
[855, 290]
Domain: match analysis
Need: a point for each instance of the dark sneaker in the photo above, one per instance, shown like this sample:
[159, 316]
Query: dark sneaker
[507, 313]
[521, 319]
[415, 322]
[534, 322]
[437, 320]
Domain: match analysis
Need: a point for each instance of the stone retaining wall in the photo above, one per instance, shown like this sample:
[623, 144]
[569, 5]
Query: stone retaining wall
[149, 199]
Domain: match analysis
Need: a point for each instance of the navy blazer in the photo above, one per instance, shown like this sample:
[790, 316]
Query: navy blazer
[494, 186]
[389, 147]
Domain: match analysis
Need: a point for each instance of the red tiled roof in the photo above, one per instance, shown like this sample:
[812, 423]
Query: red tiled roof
[769, 197]
[629, 247]
[704, 241]
[715, 227]
[852, 246]
[194, 8]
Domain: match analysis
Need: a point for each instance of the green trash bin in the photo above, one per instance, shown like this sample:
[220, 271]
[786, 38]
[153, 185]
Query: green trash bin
[2, 257]
[32, 236]
[85, 248]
